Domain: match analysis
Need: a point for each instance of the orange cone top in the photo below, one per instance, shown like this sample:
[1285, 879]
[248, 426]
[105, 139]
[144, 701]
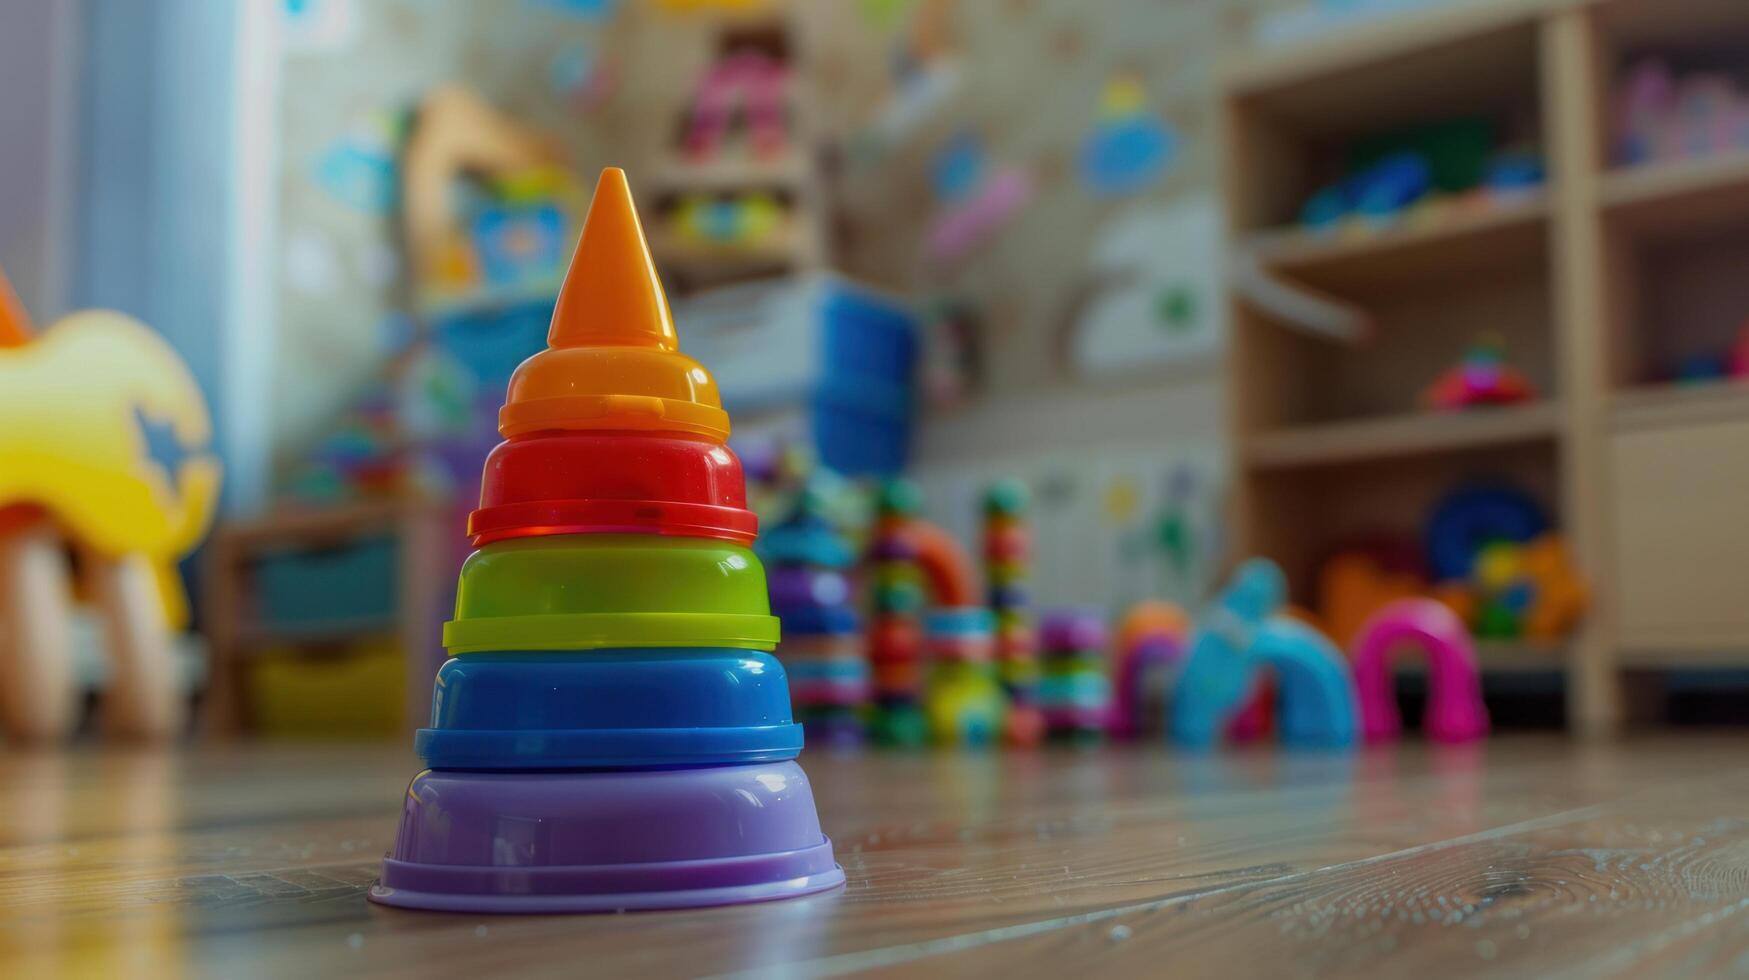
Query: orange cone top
[14, 321]
[613, 359]
[611, 295]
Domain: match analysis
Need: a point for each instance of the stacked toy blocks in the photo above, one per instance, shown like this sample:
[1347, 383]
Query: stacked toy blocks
[1074, 692]
[1007, 554]
[611, 731]
[822, 640]
[895, 636]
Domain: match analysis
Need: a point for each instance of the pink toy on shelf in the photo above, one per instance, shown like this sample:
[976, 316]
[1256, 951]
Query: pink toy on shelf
[1455, 712]
[755, 82]
[1481, 378]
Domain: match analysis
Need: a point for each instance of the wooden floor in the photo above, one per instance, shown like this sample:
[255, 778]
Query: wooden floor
[1521, 858]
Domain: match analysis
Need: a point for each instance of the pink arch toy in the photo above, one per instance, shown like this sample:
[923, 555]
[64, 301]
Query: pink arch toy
[1455, 712]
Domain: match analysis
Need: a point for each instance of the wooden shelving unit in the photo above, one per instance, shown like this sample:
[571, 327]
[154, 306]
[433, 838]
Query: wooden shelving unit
[792, 175]
[238, 633]
[1409, 435]
[1586, 280]
[1473, 237]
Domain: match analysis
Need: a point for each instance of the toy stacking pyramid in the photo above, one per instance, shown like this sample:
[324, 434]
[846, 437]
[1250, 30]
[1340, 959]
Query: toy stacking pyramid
[611, 730]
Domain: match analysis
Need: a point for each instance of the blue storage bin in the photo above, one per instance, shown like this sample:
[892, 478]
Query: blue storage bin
[862, 427]
[866, 337]
[345, 584]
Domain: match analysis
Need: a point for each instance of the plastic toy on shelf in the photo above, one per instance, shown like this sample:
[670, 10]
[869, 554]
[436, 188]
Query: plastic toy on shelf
[1074, 691]
[1007, 555]
[822, 647]
[1661, 116]
[611, 731]
[1238, 638]
[748, 80]
[105, 446]
[1481, 378]
[1455, 711]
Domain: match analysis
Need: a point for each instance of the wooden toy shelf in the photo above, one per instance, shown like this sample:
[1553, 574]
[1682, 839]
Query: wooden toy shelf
[1596, 282]
[1401, 436]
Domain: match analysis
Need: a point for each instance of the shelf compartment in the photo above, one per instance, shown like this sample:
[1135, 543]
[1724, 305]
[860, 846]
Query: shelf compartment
[1679, 197]
[733, 173]
[1413, 434]
[1671, 405]
[1415, 65]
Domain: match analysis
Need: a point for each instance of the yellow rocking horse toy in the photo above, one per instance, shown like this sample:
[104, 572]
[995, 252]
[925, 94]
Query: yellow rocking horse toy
[105, 452]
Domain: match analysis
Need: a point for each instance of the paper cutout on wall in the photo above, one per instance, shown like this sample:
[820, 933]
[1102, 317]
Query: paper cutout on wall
[1153, 290]
[580, 9]
[584, 78]
[1128, 149]
[316, 26]
[974, 199]
[925, 75]
[358, 169]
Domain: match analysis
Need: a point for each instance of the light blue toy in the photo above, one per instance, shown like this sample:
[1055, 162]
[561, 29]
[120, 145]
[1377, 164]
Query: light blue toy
[1240, 636]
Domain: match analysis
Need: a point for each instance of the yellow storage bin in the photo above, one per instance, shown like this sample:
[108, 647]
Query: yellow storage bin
[353, 691]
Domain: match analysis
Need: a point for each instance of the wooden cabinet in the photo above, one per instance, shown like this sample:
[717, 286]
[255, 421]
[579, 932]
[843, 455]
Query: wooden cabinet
[1681, 527]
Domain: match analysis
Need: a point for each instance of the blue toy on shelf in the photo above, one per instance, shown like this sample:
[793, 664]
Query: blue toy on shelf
[1243, 635]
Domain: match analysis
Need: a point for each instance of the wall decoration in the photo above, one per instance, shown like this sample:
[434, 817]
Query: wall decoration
[580, 9]
[1153, 295]
[583, 76]
[974, 199]
[1128, 149]
[925, 75]
[317, 26]
[358, 170]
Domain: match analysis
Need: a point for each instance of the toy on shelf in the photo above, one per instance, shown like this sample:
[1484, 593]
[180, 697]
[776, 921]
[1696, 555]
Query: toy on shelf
[506, 241]
[1481, 378]
[611, 689]
[1474, 516]
[1714, 365]
[744, 83]
[1419, 175]
[822, 647]
[1455, 711]
[964, 704]
[1489, 557]
[1519, 590]
[1242, 635]
[105, 445]
[730, 222]
[1359, 579]
[1660, 116]
[895, 632]
[1074, 692]
[1007, 556]
[1150, 645]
